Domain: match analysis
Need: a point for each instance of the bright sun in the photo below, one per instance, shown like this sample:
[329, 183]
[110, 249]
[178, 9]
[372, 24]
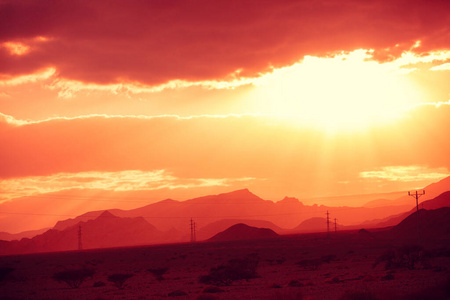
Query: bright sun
[348, 91]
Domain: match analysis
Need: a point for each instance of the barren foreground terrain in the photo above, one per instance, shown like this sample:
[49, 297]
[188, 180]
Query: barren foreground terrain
[346, 265]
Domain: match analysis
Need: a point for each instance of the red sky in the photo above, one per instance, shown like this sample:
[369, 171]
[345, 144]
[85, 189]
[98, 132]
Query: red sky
[184, 98]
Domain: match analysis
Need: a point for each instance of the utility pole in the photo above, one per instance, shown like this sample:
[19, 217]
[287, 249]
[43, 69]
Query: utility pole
[195, 232]
[416, 195]
[192, 231]
[80, 245]
[328, 224]
[335, 225]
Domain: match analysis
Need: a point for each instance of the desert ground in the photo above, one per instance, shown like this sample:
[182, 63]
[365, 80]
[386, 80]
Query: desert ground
[311, 266]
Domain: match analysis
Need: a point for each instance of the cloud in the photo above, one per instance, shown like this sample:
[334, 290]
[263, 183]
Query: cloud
[40, 75]
[155, 43]
[443, 67]
[206, 149]
[68, 88]
[406, 173]
[128, 180]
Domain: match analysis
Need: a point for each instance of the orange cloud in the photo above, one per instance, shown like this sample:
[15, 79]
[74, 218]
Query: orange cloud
[128, 180]
[406, 173]
[280, 159]
[106, 42]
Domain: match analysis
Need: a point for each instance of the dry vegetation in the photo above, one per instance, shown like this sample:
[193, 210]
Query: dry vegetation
[296, 267]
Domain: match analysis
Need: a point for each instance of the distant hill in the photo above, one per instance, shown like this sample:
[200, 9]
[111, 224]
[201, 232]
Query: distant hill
[379, 203]
[239, 205]
[431, 191]
[45, 211]
[105, 231]
[316, 224]
[433, 223]
[442, 200]
[212, 229]
[5, 236]
[241, 231]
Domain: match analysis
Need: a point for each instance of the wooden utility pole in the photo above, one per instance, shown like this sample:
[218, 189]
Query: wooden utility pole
[328, 224]
[80, 245]
[416, 195]
[193, 234]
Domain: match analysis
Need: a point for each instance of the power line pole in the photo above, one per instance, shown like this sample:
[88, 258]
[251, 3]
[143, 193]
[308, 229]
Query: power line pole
[80, 245]
[328, 224]
[192, 231]
[416, 195]
[335, 225]
[195, 232]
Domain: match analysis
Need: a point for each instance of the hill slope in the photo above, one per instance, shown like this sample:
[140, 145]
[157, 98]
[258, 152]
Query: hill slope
[105, 231]
[432, 223]
[241, 231]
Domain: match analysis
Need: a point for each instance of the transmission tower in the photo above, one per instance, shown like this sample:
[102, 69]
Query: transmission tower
[80, 245]
[416, 195]
[335, 225]
[328, 224]
[193, 234]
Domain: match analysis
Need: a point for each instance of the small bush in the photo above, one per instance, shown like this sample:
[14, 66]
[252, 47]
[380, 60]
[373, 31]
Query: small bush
[295, 283]
[235, 269]
[158, 273]
[310, 264]
[99, 284]
[206, 297]
[4, 273]
[119, 279]
[408, 256]
[74, 278]
[177, 293]
[287, 295]
[358, 295]
[212, 290]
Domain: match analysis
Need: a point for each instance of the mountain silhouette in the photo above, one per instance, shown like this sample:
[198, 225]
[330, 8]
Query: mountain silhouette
[238, 205]
[241, 231]
[432, 223]
[316, 224]
[107, 230]
[442, 200]
[212, 229]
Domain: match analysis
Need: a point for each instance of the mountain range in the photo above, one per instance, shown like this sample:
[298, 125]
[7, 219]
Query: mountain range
[169, 220]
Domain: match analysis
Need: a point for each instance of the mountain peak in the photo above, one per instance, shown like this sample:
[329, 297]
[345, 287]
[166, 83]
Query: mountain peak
[289, 200]
[239, 194]
[106, 214]
[242, 231]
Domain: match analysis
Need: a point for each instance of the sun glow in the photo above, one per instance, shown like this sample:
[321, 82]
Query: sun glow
[348, 91]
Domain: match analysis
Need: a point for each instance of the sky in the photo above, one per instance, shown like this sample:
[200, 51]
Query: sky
[179, 99]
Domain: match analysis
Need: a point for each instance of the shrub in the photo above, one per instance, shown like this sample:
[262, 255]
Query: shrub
[408, 256]
[177, 293]
[295, 283]
[358, 295]
[99, 284]
[4, 273]
[235, 269]
[212, 290]
[287, 295]
[310, 264]
[158, 273]
[74, 278]
[119, 279]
